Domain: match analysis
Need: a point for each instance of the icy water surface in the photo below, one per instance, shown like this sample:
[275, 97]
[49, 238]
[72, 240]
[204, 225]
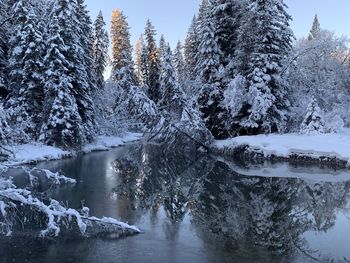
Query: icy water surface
[196, 208]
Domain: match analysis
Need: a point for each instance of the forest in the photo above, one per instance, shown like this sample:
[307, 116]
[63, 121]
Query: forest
[239, 83]
[239, 71]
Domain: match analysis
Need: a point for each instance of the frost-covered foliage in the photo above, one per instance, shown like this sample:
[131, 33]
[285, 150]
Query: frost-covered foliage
[21, 206]
[26, 71]
[49, 71]
[5, 131]
[150, 63]
[190, 50]
[319, 68]
[265, 39]
[181, 123]
[5, 134]
[235, 95]
[69, 110]
[136, 110]
[119, 109]
[179, 63]
[209, 53]
[314, 121]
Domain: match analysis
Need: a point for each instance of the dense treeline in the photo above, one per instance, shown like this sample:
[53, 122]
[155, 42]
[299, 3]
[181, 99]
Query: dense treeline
[238, 72]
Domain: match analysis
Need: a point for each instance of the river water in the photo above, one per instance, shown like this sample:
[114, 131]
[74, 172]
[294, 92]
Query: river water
[193, 207]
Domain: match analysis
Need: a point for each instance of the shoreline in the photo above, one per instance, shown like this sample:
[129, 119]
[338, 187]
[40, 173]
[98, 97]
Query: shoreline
[30, 154]
[328, 150]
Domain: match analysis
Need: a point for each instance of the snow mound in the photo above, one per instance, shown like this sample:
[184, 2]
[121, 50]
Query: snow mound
[31, 153]
[104, 143]
[287, 145]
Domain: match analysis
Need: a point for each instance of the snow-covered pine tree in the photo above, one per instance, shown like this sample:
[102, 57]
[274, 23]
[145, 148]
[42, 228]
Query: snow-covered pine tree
[5, 131]
[173, 97]
[227, 14]
[182, 123]
[5, 134]
[26, 70]
[314, 121]
[209, 53]
[190, 50]
[162, 50]
[122, 63]
[138, 60]
[265, 40]
[87, 43]
[202, 13]
[4, 46]
[85, 71]
[69, 114]
[179, 63]
[315, 30]
[100, 49]
[144, 64]
[152, 65]
[208, 68]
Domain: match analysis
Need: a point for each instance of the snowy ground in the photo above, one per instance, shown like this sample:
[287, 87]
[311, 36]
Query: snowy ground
[313, 146]
[31, 153]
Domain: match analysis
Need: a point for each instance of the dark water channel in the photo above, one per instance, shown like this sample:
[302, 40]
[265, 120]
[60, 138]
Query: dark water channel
[198, 208]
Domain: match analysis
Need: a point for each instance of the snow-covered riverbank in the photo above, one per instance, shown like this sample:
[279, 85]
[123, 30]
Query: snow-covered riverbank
[36, 152]
[330, 148]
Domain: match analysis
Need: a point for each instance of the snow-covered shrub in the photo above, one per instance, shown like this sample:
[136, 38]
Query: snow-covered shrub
[334, 123]
[314, 121]
[137, 110]
[319, 68]
[5, 131]
[235, 95]
[124, 109]
[5, 134]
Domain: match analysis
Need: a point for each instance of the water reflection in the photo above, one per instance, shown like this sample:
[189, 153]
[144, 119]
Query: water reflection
[197, 208]
[238, 212]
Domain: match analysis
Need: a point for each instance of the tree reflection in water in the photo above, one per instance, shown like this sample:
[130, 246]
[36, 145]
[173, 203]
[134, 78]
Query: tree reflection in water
[238, 212]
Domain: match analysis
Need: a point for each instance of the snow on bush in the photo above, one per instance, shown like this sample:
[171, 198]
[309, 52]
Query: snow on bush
[235, 95]
[314, 121]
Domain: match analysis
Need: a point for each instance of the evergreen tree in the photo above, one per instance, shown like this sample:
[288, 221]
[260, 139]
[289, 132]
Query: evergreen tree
[179, 63]
[209, 53]
[4, 32]
[122, 63]
[265, 40]
[208, 69]
[202, 13]
[181, 121]
[227, 14]
[26, 70]
[100, 49]
[5, 130]
[152, 64]
[69, 112]
[313, 122]
[138, 60]
[63, 125]
[315, 30]
[190, 50]
[85, 72]
[162, 50]
[173, 98]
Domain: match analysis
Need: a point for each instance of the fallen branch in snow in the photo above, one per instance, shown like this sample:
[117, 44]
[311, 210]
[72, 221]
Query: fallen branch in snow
[20, 203]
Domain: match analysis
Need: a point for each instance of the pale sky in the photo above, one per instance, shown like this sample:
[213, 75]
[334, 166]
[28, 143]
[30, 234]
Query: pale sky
[173, 17]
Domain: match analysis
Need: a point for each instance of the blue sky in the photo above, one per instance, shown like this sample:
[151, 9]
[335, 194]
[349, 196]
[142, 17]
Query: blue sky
[173, 17]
